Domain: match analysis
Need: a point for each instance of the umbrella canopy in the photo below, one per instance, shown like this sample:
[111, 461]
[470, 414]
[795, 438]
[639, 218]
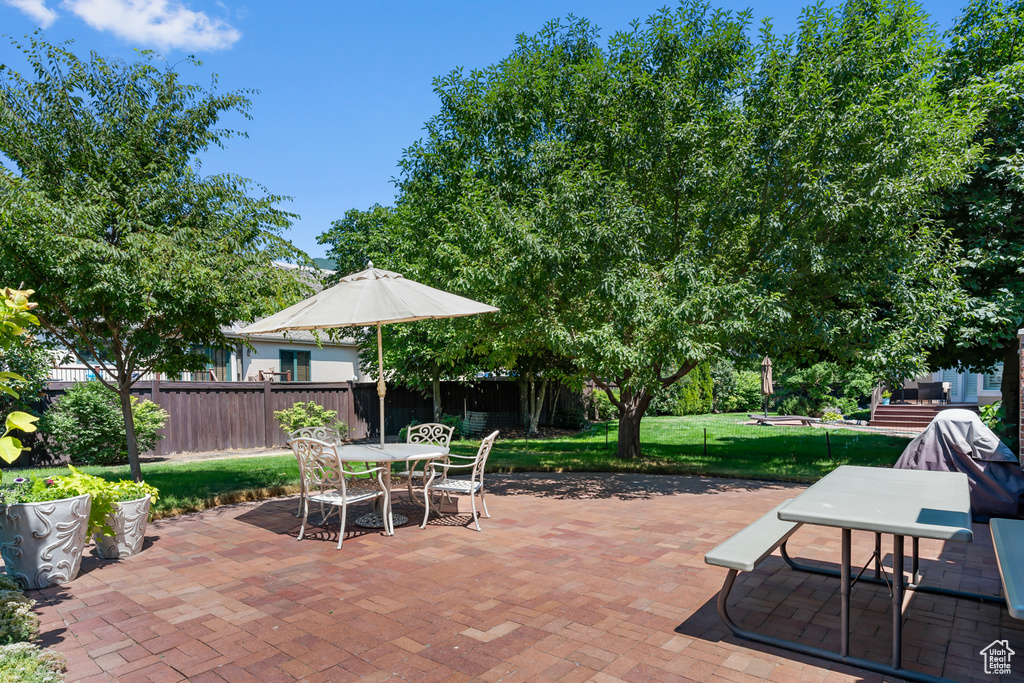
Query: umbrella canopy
[370, 297]
[766, 381]
[767, 387]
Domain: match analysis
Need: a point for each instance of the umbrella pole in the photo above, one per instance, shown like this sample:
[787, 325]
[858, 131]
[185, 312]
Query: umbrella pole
[381, 390]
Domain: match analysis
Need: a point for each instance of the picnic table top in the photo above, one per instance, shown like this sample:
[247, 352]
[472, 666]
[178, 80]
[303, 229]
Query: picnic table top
[782, 418]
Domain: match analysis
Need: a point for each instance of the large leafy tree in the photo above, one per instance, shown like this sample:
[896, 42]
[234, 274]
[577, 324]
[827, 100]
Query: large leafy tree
[138, 260]
[984, 65]
[681, 192]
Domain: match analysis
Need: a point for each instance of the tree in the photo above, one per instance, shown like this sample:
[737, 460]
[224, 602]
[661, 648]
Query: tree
[15, 319]
[854, 141]
[138, 260]
[681, 193]
[984, 65]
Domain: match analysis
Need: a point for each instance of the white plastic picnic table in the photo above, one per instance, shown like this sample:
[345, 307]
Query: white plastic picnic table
[390, 452]
[914, 503]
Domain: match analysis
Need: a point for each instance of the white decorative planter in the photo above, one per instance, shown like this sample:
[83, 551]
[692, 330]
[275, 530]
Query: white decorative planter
[129, 523]
[42, 543]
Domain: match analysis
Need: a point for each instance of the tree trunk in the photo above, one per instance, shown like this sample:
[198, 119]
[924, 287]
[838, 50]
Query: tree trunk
[524, 403]
[632, 411]
[1010, 388]
[124, 393]
[437, 395]
[536, 404]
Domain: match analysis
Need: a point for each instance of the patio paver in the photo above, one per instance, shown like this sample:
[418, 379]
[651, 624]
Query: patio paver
[575, 577]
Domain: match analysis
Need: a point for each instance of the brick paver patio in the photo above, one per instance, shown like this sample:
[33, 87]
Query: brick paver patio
[575, 577]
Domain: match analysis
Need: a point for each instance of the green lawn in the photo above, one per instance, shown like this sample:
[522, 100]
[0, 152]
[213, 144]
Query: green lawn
[671, 445]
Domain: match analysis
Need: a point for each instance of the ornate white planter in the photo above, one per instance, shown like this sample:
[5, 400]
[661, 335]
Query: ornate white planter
[42, 543]
[129, 523]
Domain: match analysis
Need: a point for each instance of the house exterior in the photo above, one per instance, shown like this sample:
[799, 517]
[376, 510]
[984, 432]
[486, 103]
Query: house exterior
[967, 387]
[297, 356]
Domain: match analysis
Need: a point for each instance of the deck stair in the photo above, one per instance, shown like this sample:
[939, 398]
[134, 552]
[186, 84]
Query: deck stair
[912, 416]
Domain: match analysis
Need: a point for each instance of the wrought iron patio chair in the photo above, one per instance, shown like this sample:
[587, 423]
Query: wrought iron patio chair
[327, 481]
[431, 434]
[470, 487]
[328, 434]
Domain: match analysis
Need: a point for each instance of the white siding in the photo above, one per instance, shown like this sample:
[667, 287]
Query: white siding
[326, 364]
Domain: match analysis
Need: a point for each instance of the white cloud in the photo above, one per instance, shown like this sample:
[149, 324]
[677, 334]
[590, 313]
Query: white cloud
[162, 23]
[36, 9]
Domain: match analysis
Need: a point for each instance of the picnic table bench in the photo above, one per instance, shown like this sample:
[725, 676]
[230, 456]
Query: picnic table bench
[776, 419]
[1008, 539]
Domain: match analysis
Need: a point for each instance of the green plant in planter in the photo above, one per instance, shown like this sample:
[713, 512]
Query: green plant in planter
[126, 490]
[35, 490]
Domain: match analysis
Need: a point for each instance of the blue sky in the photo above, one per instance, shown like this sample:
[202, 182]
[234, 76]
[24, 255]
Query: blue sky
[343, 87]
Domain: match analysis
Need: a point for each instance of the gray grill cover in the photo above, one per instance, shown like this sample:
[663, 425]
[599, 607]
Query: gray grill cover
[958, 441]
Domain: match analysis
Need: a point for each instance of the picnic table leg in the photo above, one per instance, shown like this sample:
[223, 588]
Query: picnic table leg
[844, 617]
[878, 556]
[897, 601]
[915, 561]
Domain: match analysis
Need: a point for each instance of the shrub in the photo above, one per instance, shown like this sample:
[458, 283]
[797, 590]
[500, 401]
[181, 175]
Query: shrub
[404, 431]
[831, 415]
[723, 375]
[310, 414]
[17, 622]
[747, 395]
[25, 663]
[696, 391]
[86, 425]
[456, 423]
[602, 406]
[795, 405]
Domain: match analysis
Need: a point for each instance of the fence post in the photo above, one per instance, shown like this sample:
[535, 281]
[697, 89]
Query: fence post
[705, 442]
[828, 444]
[268, 416]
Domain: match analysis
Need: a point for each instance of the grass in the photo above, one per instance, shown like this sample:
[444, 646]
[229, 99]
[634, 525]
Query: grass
[671, 445]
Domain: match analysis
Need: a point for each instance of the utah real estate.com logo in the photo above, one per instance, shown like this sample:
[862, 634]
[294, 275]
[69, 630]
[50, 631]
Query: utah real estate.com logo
[997, 657]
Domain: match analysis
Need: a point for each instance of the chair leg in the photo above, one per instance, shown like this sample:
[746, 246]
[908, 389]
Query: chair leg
[472, 503]
[484, 502]
[426, 506]
[302, 498]
[389, 517]
[341, 528]
[305, 514]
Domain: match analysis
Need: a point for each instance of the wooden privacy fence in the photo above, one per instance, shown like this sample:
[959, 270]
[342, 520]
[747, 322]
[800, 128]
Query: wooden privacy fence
[211, 416]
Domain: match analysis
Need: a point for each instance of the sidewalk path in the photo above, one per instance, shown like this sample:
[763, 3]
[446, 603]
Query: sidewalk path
[575, 577]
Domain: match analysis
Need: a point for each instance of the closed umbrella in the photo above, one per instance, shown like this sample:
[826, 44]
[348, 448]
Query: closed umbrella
[766, 381]
[370, 297]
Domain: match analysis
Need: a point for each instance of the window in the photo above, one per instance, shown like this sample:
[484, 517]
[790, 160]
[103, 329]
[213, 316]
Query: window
[994, 381]
[297, 363]
[218, 362]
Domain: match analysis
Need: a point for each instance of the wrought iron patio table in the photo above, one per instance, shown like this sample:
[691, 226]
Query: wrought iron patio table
[389, 453]
[904, 503]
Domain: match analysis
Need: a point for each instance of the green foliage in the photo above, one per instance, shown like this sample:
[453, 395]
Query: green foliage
[126, 489]
[983, 64]
[696, 392]
[823, 385]
[404, 431]
[17, 621]
[309, 414]
[86, 425]
[723, 374]
[456, 423]
[764, 197]
[831, 415]
[747, 395]
[15, 317]
[602, 406]
[77, 483]
[992, 415]
[26, 663]
[142, 260]
[31, 360]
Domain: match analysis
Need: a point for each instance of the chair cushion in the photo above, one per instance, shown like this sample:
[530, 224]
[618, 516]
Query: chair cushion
[456, 486]
[354, 496]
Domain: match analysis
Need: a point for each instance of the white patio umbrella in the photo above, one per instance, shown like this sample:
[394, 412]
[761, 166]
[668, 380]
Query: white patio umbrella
[370, 297]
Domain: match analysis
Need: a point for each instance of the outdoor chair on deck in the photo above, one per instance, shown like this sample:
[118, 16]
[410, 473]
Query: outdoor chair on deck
[433, 434]
[326, 481]
[437, 479]
[328, 434]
